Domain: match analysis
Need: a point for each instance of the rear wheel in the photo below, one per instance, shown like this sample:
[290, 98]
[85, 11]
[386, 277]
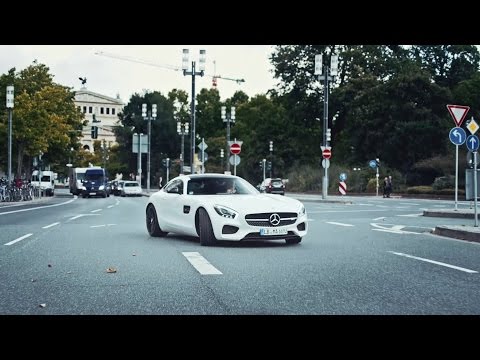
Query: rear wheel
[207, 237]
[152, 223]
[296, 240]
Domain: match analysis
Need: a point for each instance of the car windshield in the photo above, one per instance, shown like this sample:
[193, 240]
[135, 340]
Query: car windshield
[220, 185]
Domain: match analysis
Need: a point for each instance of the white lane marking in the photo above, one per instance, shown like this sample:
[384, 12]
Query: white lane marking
[395, 229]
[411, 215]
[379, 218]
[95, 226]
[435, 262]
[439, 206]
[337, 223]
[409, 204]
[79, 216]
[110, 206]
[201, 264]
[360, 204]
[111, 224]
[340, 211]
[97, 210]
[48, 226]
[35, 208]
[19, 239]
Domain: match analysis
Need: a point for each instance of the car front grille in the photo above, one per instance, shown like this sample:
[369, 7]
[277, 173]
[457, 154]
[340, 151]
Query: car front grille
[262, 219]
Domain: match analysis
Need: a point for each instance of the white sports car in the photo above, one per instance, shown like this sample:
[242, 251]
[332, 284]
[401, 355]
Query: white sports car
[223, 207]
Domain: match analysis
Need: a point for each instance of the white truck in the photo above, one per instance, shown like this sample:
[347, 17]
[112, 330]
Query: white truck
[75, 177]
[45, 180]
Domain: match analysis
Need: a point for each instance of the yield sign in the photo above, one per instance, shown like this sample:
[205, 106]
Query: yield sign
[458, 113]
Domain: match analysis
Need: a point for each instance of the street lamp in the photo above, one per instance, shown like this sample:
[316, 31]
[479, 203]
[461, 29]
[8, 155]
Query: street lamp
[327, 75]
[193, 73]
[149, 116]
[10, 109]
[182, 130]
[228, 118]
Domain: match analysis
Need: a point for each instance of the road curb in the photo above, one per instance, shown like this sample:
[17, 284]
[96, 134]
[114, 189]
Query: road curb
[448, 214]
[457, 233]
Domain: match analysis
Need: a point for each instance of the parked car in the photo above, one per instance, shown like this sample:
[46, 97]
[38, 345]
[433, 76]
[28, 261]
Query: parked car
[131, 188]
[223, 207]
[273, 186]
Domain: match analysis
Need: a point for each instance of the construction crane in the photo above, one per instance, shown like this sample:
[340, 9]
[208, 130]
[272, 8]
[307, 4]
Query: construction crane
[169, 67]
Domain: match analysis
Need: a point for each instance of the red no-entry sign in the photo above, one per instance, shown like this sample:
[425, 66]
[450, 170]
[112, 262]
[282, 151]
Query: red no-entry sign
[327, 154]
[235, 149]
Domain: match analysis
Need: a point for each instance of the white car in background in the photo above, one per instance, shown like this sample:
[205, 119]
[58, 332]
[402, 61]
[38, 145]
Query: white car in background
[223, 207]
[131, 188]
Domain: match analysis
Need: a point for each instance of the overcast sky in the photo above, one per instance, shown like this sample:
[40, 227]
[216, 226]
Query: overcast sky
[110, 76]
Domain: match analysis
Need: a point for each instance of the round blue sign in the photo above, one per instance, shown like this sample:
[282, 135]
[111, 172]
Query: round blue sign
[472, 143]
[373, 164]
[343, 177]
[457, 136]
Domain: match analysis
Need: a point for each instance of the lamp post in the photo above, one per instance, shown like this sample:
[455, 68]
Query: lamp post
[10, 109]
[228, 118]
[182, 130]
[327, 74]
[193, 73]
[149, 116]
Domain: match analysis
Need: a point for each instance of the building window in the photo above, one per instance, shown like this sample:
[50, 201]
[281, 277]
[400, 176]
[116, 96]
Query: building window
[108, 111]
[101, 110]
[84, 109]
[113, 111]
[90, 110]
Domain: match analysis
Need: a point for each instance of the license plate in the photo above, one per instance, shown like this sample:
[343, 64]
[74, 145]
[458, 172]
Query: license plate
[274, 231]
[92, 193]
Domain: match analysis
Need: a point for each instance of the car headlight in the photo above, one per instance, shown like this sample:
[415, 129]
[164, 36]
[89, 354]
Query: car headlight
[225, 211]
[302, 211]
[101, 187]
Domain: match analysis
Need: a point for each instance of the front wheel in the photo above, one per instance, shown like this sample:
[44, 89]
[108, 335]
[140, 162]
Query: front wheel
[207, 237]
[152, 223]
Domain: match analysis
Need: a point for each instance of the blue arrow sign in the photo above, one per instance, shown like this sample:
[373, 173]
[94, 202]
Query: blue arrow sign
[343, 177]
[457, 136]
[373, 164]
[472, 143]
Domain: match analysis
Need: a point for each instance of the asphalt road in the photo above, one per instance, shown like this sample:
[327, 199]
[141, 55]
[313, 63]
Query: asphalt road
[374, 256]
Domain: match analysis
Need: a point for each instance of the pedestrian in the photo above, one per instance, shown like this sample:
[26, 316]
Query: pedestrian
[389, 186]
[160, 182]
[385, 187]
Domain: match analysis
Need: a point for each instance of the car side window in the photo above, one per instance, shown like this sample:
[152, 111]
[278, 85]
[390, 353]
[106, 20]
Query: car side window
[175, 187]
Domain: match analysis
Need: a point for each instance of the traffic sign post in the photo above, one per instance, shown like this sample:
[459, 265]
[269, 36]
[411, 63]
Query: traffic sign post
[475, 194]
[342, 187]
[457, 136]
[327, 154]
[235, 149]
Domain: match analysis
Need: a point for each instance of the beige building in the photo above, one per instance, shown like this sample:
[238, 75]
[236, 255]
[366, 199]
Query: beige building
[106, 111]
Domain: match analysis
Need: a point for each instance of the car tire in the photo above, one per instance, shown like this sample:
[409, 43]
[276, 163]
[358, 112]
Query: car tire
[153, 228]
[293, 241]
[205, 230]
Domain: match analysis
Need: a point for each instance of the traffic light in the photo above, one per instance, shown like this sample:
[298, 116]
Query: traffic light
[329, 134]
[260, 163]
[271, 146]
[94, 132]
[377, 161]
[269, 165]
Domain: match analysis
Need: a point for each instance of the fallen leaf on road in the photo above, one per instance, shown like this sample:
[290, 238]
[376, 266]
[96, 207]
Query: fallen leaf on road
[42, 305]
[49, 265]
[134, 254]
[111, 270]
[33, 280]
[69, 272]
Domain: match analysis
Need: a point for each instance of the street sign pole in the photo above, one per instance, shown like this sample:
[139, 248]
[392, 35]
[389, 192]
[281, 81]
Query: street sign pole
[378, 175]
[456, 177]
[475, 185]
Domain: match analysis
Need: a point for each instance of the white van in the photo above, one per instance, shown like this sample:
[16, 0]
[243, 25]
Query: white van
[46, 183]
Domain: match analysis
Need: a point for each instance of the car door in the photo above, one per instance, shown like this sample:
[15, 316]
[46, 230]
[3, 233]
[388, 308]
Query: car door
[172, 207]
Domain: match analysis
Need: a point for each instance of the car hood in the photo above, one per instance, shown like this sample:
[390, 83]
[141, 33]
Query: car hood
[257, 203]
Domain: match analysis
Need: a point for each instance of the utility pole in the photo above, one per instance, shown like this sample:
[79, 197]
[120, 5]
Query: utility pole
[10, 109]
[228, 118]
[149, 116]
[327, 74]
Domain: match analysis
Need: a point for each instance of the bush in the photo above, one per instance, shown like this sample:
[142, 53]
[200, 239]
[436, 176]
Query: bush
[444, 182]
